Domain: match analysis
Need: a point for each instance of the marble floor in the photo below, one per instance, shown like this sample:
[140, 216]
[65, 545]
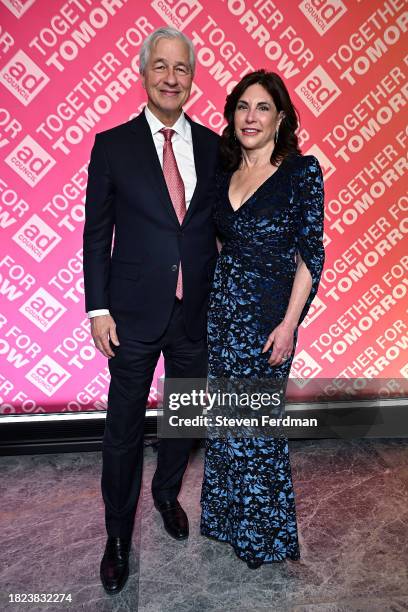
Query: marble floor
[352, 509]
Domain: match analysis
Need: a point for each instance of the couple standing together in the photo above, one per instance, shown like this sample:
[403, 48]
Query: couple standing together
[161, 188]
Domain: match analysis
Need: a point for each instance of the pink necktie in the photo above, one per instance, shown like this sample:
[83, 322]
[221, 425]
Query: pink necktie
[175, 186]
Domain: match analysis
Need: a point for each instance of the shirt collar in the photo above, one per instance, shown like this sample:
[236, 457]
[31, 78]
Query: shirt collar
[181, 127]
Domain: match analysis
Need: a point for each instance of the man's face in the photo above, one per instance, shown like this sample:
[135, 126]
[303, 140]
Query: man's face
[168, 78]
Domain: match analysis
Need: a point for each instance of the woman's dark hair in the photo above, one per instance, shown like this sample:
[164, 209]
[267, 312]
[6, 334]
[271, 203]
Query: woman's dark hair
[230, 149]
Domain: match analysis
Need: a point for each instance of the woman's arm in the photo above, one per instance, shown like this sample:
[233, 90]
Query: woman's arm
[310, 260]
[282, 336]
[302, 284]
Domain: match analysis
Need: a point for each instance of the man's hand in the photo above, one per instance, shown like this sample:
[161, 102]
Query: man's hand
[103, 328]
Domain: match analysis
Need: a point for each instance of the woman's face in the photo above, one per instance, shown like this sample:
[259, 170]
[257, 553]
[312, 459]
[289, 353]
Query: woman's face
[256, 118]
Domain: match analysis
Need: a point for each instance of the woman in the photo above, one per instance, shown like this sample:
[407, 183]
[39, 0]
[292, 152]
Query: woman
[269, 214]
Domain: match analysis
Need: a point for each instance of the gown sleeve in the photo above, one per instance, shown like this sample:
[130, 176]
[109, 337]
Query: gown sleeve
[309, 238]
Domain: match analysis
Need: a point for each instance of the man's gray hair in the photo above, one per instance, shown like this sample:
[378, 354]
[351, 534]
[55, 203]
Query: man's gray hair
[164, 32]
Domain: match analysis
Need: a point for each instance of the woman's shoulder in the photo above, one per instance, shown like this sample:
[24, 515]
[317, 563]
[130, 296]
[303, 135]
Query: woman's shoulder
[297, 160]
[304, 166]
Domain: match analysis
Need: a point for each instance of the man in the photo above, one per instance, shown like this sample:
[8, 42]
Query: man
[149, 184]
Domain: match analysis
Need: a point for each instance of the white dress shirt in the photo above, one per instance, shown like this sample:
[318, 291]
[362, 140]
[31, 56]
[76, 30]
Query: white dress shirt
[182, 142]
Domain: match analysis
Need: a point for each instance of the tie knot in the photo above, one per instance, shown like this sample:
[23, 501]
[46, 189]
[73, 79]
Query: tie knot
[168, 134]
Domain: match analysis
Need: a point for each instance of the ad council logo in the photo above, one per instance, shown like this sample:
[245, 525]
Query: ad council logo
[23, 78]
[315, 310]
[318, 91]
[322, 14]
[30, 161]
[18, 7]
[303, 368]
[42, 309]
[48, 375]
[36, 238]
[177, 13]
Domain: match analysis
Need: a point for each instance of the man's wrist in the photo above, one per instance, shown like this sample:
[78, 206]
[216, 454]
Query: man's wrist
[97, 313]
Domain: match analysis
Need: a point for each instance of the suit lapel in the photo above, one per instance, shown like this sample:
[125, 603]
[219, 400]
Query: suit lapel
[150, 168]
[199, 162]
[152, 171]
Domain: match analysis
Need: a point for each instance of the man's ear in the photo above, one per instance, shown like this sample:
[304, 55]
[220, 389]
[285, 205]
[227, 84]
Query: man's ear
[143, 81]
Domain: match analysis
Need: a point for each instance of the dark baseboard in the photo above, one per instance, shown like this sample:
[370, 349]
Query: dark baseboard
[74, 432]
[31, 436]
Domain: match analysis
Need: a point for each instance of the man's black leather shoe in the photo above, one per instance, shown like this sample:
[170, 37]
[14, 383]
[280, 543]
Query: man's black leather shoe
[174, 518]
[115, 564]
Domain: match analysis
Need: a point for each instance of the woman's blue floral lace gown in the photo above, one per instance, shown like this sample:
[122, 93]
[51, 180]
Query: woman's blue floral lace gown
[247, 496]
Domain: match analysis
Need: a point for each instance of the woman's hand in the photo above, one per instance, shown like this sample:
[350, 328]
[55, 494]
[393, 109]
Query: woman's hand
[282, 339]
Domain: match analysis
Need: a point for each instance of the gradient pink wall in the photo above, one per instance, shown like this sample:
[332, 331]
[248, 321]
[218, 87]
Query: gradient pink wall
[70, 69]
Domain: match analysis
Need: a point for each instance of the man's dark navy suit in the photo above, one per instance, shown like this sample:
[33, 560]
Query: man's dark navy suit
[127, 200]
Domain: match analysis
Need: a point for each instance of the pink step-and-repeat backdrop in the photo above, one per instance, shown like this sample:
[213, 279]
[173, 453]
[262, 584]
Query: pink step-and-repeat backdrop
[69, 69]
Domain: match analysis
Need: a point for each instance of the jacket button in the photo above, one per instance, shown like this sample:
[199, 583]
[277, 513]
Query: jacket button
[174, 268]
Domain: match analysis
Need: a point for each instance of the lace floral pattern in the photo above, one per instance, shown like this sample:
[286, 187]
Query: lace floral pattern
[247, 496]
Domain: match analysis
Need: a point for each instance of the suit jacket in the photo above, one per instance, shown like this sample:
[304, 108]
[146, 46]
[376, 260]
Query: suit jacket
[127, 202]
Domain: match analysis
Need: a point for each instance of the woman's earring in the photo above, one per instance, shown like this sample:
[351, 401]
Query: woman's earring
[275, 138]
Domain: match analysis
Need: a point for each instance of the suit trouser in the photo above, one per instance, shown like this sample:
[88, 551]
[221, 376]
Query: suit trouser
[132, 370]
